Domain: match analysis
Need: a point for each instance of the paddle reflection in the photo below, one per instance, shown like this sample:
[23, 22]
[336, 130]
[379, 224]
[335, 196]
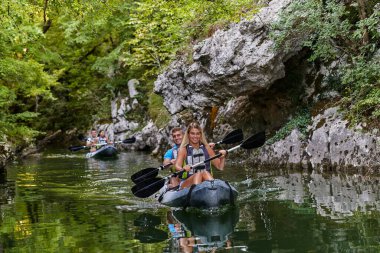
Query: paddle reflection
[199, 232]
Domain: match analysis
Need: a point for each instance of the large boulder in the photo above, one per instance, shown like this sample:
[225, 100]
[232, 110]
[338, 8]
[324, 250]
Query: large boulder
[231, 63]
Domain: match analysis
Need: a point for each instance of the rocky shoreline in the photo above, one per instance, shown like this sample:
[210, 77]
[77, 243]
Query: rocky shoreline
[331, 146]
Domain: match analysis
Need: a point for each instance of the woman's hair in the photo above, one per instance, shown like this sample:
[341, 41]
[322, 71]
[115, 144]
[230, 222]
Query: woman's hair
[193, 125]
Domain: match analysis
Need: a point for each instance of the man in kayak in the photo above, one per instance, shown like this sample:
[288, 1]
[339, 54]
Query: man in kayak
[92, 140]
[171, 155]
[195, 149]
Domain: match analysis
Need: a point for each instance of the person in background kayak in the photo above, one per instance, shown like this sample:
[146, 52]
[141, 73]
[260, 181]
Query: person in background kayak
[194, 149]
[92, 140]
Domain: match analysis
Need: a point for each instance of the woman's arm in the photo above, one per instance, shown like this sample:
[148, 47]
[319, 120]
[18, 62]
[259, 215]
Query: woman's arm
[218, 162]
[180, 158]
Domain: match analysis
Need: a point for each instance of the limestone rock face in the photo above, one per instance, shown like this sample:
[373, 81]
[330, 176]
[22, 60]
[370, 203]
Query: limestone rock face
[240, 60]
[289, 151]
[331, 145]
[239, 71]
[238, 79]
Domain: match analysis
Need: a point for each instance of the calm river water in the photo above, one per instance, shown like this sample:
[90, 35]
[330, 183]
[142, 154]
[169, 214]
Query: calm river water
[62, 202]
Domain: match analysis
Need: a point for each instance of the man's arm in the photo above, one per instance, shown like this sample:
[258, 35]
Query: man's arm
[168, 157]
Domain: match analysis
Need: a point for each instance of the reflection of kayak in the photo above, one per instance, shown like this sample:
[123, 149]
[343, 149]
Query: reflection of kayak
[208, 194]
[209, 230]
[103, 152]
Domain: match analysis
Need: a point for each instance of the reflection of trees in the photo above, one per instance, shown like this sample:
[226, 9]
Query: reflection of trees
[6, 189]
[70, 226]
[55, 209]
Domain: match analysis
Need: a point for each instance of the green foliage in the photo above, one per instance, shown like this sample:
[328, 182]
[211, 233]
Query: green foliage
[300, 121]
[23, 80]
[335, 31]
[65, 60]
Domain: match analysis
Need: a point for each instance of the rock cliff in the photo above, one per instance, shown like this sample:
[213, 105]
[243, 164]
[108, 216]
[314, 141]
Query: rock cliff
[255, 86]
[238, 79]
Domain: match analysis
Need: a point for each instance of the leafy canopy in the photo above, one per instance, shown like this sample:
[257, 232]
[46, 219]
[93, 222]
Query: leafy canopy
[62, 61]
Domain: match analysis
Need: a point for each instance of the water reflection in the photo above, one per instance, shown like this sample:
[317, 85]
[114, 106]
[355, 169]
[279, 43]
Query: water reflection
[147, 231]
[200, 232]
[66, 203]
[333, 195]
[302, 212]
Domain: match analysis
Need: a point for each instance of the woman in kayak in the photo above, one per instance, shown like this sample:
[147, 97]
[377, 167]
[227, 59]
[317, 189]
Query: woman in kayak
[102, 138]
[195, 149]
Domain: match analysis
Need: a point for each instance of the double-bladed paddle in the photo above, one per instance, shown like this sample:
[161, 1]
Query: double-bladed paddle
[151, 185]
[126, 141]
[231, 138]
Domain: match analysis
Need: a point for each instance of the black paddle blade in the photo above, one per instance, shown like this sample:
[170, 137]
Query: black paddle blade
[233, 137]
[130, 140]
[144, 174]
[76, 148]
[148, 187]
[255, 141]
[148, 173]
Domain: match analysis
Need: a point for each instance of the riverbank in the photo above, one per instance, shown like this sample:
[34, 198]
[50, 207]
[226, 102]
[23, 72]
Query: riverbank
[330, 144]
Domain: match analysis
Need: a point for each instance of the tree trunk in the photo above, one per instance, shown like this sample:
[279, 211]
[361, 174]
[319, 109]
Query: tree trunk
[47, 23]
[363, 15]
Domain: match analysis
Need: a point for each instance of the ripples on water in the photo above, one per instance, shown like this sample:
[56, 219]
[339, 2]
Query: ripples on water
[62, 202]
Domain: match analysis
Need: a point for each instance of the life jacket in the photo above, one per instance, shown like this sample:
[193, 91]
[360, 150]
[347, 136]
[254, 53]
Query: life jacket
[90, 139]
[102, 140]
[194, 156]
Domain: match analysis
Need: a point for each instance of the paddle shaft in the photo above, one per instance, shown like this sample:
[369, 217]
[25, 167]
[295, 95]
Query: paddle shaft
[214, 157]
[205, 161]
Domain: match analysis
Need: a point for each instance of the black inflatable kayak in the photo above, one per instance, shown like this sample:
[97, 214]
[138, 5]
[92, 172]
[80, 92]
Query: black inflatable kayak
[208, 194]
[107, 151]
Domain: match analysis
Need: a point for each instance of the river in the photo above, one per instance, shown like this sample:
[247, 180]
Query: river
[61, 202]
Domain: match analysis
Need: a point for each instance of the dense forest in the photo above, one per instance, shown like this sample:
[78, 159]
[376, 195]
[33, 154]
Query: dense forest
[63, 61]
